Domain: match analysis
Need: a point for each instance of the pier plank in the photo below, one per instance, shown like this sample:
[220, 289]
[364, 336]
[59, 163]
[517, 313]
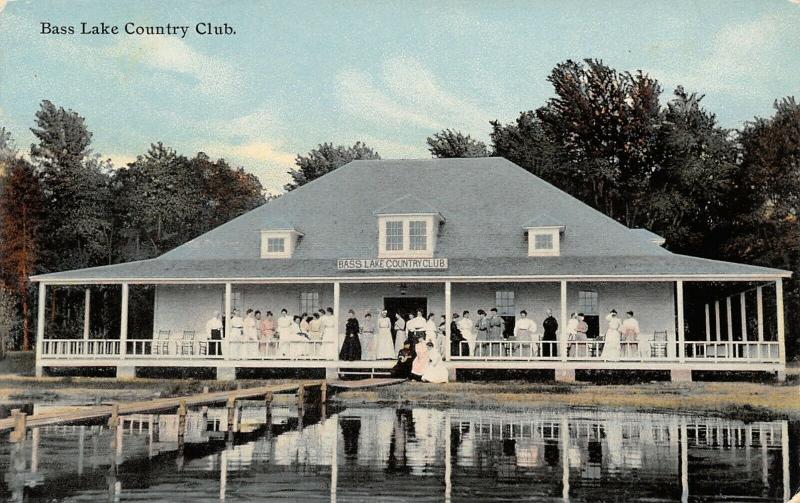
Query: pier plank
[93, 413]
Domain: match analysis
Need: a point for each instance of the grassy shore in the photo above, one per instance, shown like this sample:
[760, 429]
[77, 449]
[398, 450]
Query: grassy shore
[748, 401]
[744, 400]
[734, 399]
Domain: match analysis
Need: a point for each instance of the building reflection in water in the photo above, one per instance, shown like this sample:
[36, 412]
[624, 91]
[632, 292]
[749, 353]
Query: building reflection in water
[405, 453]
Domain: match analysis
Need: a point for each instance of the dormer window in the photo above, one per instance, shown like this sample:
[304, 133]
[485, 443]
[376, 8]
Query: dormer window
[544, 237]
[279, 243]
[276, 245]
[406, 235]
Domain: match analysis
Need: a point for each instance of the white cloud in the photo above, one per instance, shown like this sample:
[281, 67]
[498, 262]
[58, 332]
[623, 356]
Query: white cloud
[170, 54]
[744, 59]
[389, 149]
[359, 96]
[407, 93]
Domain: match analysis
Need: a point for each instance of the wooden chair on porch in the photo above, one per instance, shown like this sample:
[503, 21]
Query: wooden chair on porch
[658, 346]
[161, 343]
[187, 343]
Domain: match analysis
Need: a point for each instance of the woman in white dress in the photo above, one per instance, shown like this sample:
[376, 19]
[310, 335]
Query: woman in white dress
[384, 349]
[431, 330]
[525, 331]
[234, 338]
[399, 332]
[466, 326]
[436, 372]
[611, 346]
[250, 336]
[286, 333]
[330, 335]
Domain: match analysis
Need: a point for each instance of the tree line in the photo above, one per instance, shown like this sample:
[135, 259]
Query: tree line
[610, 138]
[65, 207]
[614, 141]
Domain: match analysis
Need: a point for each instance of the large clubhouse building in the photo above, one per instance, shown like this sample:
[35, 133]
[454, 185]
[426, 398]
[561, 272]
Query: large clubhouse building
[443, 235]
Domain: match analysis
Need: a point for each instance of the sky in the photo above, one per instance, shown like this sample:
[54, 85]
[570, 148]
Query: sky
[390, 74]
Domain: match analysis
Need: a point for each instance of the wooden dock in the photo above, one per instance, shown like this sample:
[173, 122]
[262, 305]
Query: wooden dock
[19, 422]
[357, 384]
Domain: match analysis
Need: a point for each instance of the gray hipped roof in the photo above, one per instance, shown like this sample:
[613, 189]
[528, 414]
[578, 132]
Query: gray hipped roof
[487, 203]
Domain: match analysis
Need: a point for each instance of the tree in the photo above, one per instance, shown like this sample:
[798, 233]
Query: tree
[227, 191]
[77, 229]
[604, 125]
[766, 230]
[324, 159]
[159, 203]
[448, 143]
[693, 178]
[525, 143]
[21, 212]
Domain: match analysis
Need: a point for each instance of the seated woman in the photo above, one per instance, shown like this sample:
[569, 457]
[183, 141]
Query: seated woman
[436, 371]
[420, 364]
[405, 357]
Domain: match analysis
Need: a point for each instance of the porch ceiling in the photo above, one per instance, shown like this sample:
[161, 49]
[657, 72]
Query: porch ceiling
[664, 267]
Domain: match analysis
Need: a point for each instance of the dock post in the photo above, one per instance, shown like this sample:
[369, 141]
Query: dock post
[20, 426]
[113, 419]
[181, 423]
[323, 392]
[301, 405]
[231, 406]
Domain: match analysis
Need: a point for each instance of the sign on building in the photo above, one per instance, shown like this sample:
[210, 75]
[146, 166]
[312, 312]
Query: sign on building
[357, 264]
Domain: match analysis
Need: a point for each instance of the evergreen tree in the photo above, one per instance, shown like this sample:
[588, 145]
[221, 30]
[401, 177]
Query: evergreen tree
[77, 198]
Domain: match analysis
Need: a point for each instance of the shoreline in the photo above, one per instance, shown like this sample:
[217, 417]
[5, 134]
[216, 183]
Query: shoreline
[740, 400]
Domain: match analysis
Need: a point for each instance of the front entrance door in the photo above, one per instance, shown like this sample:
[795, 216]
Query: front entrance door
[407, 306]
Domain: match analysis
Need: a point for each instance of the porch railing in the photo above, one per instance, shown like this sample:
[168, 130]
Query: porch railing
[70, 348]
[592, 350]
[733, 350]
[190, 349]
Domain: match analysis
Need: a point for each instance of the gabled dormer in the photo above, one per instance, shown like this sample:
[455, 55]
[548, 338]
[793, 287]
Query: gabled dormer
[279, 239]
[544, 236]
[407, 228]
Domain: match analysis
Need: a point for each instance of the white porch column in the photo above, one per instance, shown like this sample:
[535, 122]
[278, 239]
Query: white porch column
[760, 312]
[681, 335]
[123, 321]
[448, 316]
[730, 318]
[743, 312]
[717, 328]
[228, 291]
[336, 298]
[708, 323]
[86, 306]
[562, 333]
[40, 328]
[780, 320]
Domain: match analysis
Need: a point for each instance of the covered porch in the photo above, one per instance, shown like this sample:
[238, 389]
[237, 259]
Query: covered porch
[725, 324]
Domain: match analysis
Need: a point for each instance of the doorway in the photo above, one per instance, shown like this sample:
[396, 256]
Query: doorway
[406, 306]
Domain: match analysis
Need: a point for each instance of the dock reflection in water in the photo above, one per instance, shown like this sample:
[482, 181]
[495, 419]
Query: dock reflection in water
[399, 454]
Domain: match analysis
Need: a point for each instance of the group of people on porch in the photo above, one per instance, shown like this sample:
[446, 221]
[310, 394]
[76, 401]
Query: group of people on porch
[261, 334]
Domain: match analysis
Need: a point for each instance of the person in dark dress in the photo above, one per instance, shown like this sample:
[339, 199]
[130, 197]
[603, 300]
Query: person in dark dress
[456, 338]
[550, 326]
[351, 348]
[405, 358]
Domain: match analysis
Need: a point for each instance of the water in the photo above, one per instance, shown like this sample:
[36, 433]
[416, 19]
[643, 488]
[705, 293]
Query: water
[408, 453]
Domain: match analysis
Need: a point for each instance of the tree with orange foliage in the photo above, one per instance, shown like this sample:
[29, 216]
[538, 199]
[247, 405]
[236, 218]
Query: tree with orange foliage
[21, 212]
